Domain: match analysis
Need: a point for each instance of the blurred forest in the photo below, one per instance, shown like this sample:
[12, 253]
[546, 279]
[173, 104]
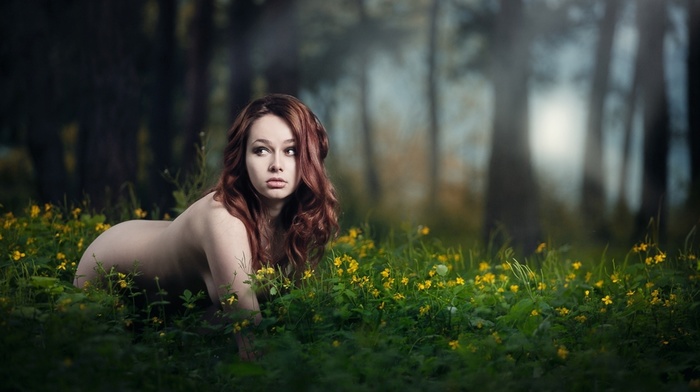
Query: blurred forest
[569, 120]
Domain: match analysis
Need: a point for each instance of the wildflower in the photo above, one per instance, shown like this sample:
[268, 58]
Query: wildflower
[607, 300]
[404, 281]
[76, 212]
[386, 273]
[100, 227]
[231, 299]
[642, 247]
[541, 286]
[648, 260]
[317, 318]
[615, 277]
[562, 311]
[340, 272]
[17, 255]
[381, 306]
[496, 337]
[399, 296]
[581, 319]
[354, 265]
[423, 230]
[659, 258]
[459, 281]
[562, 352]
[60, 256]
[375, 292]
[61, 266]
[139, 213]
[454, 344]
[423, 310]
[336, 343]
[541, 247]
[514, 288]
[534, 312]
[387, 285]
[599, 284]
[34, 211]
[337, 262]
[576, 265]
[307, 274]
[354, 232]
[428, 283]
[484, 266]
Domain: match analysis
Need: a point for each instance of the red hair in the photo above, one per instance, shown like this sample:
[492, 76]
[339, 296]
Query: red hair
[309, 217]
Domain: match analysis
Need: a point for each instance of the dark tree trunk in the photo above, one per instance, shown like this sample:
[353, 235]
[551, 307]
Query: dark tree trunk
[371, 176]
[282, 43]
[111, 109]
[593, 198]
[432, 87]
[511, 194]
[197, 80]
[161, 121]
[243, 14]
[42, 121]
[652, 20]
[694, 105]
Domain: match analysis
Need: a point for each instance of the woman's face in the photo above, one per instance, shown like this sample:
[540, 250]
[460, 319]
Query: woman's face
[271, 160]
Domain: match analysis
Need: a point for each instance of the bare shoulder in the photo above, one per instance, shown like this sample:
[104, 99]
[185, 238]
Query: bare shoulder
[208, 219]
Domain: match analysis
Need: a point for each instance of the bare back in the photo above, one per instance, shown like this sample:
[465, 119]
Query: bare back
[205, 248]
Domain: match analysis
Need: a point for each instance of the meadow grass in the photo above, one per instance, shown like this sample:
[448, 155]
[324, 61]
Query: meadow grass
[404, 313]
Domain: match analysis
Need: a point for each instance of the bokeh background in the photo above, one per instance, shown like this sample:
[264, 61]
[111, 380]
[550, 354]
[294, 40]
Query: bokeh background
[570, 121]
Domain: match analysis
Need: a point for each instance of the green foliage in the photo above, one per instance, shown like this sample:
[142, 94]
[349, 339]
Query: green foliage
[403, 314]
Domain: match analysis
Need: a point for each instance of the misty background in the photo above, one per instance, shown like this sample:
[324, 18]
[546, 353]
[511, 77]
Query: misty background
[512, 120]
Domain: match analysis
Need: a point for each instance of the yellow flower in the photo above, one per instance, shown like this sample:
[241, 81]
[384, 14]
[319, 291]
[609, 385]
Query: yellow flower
[100, 227]
[534, 312]
[60, 256]
[659, 258]
[386, 273]
[562, 311]
[423, 310]
[459, 281]
[581, 319]
[497, 338]
[541, 286]
[599, 284]
[231, 299]
[454, 344]
[541, 247]
[317, 318]
[423, 230]
[514, 288]
[17, 255]
[336, 343]
[139, 213]
[34, 211]
[307, 274]
[607, 300]
[337, 262]
[76, 212]
[576, 265]
[562, 352]
[615, 278]
[404, 281]
[399, 296]
[484, 266]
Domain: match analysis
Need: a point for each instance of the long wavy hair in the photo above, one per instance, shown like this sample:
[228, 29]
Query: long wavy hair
[309, 217]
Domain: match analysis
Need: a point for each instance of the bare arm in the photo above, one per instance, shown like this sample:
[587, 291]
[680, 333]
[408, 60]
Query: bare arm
[228, 254]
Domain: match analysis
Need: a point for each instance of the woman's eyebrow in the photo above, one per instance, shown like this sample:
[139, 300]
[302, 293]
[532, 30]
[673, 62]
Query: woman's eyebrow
[267, 142]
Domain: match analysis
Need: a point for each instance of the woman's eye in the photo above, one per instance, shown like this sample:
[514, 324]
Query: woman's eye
[291, 151]
[260, 151]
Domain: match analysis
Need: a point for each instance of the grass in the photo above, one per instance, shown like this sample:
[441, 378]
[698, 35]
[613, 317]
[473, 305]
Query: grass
[403, 314]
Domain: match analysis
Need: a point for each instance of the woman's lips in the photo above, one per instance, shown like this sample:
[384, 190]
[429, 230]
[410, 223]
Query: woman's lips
[276, 183]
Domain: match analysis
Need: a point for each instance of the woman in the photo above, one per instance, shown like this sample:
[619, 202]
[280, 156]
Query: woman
[272, 206]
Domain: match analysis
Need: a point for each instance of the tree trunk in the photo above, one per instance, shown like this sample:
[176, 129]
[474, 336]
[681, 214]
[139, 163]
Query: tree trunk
[161, 121]
[282, 37]
[197, 80]
[43, 124]
[371, 175]
[593, 198]
[693, 92]
[243, 15]
[434, 130]
[511, 194]
[627, 129]
[111, 109]
[652, 20]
